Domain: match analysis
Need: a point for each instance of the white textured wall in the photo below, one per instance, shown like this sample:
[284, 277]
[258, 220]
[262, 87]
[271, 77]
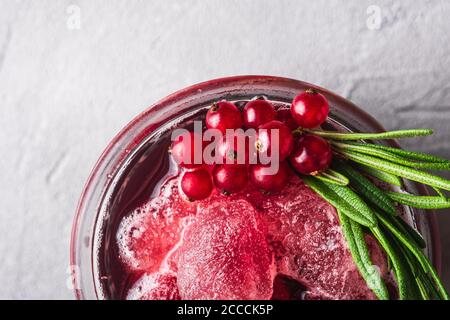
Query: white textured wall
[64, 92]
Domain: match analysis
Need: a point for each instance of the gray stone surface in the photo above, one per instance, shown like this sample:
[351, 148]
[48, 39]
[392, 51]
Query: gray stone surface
[65, 92]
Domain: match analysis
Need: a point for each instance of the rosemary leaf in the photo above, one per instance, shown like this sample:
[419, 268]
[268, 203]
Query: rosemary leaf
[439, 192]
[367, 189]
[426, 286]
[403, 153]
[332, 176]
[417, 252]
[380, 175]
[361, 136]
[404, 278]
[366, 148]
[399, 170]
[413, 233]
[422, 202]
[358, 248]
[343, 199]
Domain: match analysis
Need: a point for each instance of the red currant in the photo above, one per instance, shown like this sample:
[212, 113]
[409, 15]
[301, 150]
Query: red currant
[310, 109]
[284, 143]
[235, 148]
[197, 184]
[284, 115]
[223, 115]
[262, 179]
[311, 154]
[258, 112]
[187, 150]
[230, 178]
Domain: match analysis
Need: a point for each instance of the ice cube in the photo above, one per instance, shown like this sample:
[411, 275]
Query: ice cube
[149, 233]
[225, 254]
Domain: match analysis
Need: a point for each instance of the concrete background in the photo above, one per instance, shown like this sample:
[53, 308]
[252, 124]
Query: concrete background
[68, 85]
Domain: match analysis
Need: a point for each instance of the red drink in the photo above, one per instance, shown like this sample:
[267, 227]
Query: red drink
[150, 243]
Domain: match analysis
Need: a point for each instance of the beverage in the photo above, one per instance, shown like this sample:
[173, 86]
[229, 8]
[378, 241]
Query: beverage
[139, 236]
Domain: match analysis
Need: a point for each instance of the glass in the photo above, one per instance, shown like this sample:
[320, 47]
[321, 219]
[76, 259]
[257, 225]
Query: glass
[92, 211]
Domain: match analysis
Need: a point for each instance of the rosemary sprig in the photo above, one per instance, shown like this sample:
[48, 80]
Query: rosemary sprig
[354, 235]
[343, 199]
[421, 202]
[417, 252]
[370, 149]
[367, 189]
[402, 153]
[372, 136]
[403, 276]
[348, 188]
[397, 169]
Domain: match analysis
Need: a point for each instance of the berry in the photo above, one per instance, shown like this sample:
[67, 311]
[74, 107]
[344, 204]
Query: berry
[284, 143]
[262, 179]
[223, 115]
[235, 148]
[310, 109]
[187, 149]
[311, 154]
[258, 112]
[230, 178]
[284, 115]
[197, 184]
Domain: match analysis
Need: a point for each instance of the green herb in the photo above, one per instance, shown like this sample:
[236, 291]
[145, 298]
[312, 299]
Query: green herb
[367, 189]
[343, 199]
[417, 252]
[358, 248]
[380, 175]
[402, 153]
[348, 188]
[396, 169]
[372, 136]
[369, 149]
[403, 276]
[332, 176]
[422, 202]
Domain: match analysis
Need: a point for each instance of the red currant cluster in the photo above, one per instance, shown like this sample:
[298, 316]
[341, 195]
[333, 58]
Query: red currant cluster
[307, 154]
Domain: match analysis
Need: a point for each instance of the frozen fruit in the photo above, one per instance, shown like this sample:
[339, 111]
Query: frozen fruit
[155, 286]
[223, 115]
[225, 254]
[148, 233]
[310, 109]
[258, 112]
